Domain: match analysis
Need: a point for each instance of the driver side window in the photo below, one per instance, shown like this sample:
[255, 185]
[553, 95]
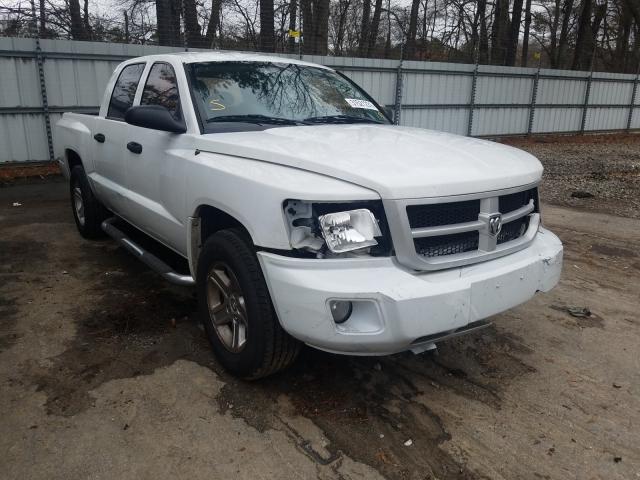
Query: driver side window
[162, 89]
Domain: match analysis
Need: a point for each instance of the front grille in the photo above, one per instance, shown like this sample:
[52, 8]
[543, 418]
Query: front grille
[513, 201]
[513, 230]
[447, 244]
[463, 227]
[421, 216]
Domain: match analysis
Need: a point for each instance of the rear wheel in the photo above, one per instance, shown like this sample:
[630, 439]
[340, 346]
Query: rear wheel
[236, 309]
[88, 212]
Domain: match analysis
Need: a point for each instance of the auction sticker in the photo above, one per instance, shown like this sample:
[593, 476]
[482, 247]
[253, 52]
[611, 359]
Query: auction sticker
[355, 103]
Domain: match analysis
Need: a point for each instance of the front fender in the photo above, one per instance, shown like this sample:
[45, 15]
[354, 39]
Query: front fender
[253, 192]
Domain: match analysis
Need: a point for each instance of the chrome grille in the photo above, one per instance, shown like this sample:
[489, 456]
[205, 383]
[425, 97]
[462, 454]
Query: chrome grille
[443, 232]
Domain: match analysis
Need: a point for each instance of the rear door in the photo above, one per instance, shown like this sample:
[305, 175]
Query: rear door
[155, 168]
[109, 137]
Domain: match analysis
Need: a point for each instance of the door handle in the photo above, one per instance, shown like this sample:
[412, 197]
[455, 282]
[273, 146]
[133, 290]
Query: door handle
[134, 147]
[99, 137]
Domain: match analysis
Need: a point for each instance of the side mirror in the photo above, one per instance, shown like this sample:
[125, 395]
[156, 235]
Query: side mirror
[389, 112]
[155, 117]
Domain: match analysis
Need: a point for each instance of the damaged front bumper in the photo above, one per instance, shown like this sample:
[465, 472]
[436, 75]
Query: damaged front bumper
[395, 309]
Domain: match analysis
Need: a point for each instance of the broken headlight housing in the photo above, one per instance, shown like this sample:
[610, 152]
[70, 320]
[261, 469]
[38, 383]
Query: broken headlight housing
[338, 229]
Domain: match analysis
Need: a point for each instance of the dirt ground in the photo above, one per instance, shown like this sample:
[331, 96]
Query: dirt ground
[105, 373]
[596, 172]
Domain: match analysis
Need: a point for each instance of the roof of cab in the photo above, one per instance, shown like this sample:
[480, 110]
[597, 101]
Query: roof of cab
[224, 56]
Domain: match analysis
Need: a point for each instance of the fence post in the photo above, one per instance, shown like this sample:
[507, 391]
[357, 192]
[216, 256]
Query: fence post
[585, 105]
[534, 97]
[633, 99]
[472, 100]
[43, 85]
[397, 104]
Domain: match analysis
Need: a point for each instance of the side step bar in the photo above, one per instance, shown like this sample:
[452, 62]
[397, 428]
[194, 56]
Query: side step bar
[147, 258]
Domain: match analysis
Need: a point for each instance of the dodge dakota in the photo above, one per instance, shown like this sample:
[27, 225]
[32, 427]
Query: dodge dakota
[303, 214]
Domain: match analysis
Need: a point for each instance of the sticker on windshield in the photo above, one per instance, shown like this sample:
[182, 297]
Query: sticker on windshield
[366, 104]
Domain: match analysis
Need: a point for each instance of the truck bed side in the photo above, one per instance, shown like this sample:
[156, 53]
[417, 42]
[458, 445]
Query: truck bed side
[73, 132]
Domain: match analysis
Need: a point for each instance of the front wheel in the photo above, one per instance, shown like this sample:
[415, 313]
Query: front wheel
[236, 309]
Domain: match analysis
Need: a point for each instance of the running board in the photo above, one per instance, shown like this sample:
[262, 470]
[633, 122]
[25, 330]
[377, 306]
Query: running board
[147, 258]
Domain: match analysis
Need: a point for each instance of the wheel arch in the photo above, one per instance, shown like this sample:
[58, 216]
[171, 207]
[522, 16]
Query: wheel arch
[205, 221]
[72, 158]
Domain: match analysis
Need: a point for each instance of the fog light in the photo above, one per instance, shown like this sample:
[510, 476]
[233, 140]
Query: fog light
[340, 310]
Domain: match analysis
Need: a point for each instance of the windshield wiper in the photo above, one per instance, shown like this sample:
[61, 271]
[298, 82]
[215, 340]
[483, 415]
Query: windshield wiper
[341, 119]
[254, 118]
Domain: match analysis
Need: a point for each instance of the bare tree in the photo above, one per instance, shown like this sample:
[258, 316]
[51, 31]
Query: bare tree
[410, 48]
[315, 18]
[499, 32]
[514, 33]
[78, 31]
[168, 22]
[525, 38]
[267, 34]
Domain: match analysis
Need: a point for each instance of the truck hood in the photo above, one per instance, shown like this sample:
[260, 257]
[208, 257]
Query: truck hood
[397, 162]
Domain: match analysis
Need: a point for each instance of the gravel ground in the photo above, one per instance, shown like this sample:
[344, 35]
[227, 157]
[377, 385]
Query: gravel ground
[604, 166]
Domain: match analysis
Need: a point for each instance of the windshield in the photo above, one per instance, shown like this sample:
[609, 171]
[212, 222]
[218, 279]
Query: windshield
[277, 94]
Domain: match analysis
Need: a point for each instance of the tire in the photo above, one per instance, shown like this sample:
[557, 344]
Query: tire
[89, 214]
[246, 335]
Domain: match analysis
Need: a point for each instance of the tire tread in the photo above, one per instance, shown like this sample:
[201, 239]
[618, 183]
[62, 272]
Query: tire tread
[280, 349]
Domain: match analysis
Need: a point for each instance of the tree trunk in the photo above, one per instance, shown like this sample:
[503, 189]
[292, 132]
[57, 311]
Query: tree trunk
[634, 7]
[525, 39]
[514, 33]
[43, 24]
[315, 16]
[77, 25]
[625, 21]
[168, 22]
[553, 43]
[85, 20]
[126, 26]
[500, 32]
[342, 11]
[559, 61]
[587, 34]
[413, 28]
[364, 28]
[192, 31]
[267, 33]
[483, 45]
[293, 12]
[214, 23]
[387, 43]
[582, 52]
[375, 26]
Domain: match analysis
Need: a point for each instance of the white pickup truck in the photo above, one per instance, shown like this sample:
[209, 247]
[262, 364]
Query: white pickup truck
[305, 216]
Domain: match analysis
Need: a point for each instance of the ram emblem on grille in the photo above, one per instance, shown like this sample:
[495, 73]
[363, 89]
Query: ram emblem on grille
[495, 224]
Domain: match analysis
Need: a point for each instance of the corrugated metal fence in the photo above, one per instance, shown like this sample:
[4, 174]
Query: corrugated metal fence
[41, 79]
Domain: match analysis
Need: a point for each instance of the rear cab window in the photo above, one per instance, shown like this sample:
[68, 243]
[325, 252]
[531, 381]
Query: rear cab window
[124, 91]
[161, 89]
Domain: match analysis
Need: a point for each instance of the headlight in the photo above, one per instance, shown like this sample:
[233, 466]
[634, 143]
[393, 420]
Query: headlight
[351, 230]
[337, 228]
